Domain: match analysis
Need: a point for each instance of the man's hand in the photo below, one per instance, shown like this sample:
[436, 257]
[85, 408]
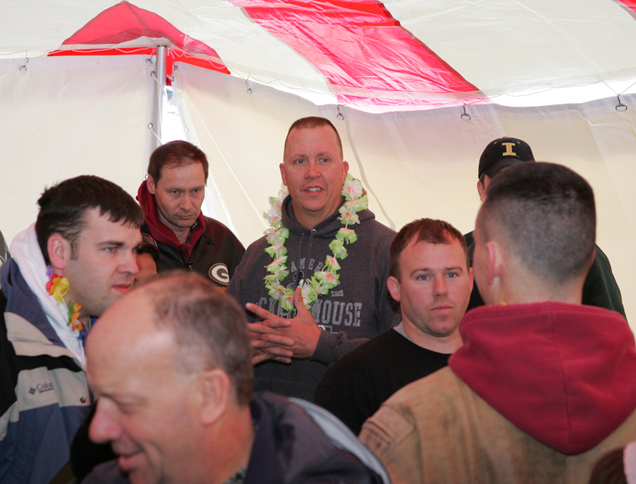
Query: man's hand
[275, 349]
[271, 337]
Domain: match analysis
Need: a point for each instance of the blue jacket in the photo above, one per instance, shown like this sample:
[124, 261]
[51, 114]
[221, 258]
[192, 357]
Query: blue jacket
[43, 392]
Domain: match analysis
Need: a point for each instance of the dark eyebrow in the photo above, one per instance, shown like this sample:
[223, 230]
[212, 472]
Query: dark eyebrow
[449, 268]
[111, 243]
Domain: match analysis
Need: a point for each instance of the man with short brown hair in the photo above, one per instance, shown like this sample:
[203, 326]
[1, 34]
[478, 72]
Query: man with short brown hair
[67, 268]
[431, 279]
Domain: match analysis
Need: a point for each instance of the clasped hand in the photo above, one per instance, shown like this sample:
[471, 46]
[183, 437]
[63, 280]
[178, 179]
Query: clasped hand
[280, 339]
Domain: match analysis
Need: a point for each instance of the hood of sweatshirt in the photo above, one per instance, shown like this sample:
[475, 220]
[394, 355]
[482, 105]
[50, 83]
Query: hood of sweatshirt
[325, 229]
[562, 373]
[162, 233]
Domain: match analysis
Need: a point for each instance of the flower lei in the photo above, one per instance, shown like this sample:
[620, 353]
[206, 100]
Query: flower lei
[58, 287]
[322, 281]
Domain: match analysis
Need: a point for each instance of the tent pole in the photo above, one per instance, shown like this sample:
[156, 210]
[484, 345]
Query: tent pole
[159, 98]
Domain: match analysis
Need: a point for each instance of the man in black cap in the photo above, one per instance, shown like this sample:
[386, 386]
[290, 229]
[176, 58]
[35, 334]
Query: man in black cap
[600, 287]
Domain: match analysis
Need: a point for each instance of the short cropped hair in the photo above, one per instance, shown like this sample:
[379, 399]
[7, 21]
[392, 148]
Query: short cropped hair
[176, 153]
[609, 469]
[150, 249]
[546, 213]
[314, 122]
[209, 327]
[63, 208]
[423, 230]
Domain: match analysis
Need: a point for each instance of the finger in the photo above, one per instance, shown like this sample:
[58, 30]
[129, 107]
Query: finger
[276, 351]
[282, 359]
[263, 340]
[259, 311]
[259, 328]
[299, 303]
[260, 358]
[272, 351]
[276, 339]
[260, 344]
[277, 323]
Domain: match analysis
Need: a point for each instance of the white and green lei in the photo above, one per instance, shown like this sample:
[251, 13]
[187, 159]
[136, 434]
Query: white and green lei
[322, 281]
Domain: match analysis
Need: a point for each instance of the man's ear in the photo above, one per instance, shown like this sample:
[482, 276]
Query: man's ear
[282, 173]
[215, 392]
[495, 261]
[394, 288]
[481, 189]
[59, 250]
[345, 168]
[591, 262]
[150, 184]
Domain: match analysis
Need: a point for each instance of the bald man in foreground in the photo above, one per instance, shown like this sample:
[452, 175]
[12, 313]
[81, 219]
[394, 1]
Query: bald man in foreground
[171, 367]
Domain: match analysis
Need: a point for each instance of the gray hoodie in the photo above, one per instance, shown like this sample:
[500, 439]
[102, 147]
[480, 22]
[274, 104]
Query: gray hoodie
[356, 310]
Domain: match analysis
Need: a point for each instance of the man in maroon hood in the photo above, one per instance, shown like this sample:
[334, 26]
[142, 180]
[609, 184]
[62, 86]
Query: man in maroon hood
[171, 199]
[542, 385]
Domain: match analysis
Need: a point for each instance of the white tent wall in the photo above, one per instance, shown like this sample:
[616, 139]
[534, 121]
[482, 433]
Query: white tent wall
[64, 116]
[68, 116]
[414, 164]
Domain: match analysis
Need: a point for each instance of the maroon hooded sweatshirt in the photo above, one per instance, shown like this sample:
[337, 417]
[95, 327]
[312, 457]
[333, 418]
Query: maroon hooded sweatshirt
[564, 374]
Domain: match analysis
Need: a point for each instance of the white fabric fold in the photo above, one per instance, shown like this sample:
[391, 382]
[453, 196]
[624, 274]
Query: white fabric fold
[27, 254]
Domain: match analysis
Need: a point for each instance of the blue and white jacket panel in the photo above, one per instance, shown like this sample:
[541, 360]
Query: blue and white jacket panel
[44, 396]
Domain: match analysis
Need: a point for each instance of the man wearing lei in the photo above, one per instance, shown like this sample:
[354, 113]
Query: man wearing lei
[66, 268]
[315, 285]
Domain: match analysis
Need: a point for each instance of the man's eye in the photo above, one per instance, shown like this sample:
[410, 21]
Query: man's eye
[126, 408]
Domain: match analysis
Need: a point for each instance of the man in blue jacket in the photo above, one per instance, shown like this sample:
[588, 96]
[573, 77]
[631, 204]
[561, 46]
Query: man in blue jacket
[66, 269]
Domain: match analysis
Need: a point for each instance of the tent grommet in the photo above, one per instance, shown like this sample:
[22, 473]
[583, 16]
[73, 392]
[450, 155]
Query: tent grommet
[465, 116]
[620, 106]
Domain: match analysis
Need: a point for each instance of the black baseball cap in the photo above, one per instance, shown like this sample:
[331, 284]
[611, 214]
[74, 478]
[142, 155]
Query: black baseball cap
[501, 153]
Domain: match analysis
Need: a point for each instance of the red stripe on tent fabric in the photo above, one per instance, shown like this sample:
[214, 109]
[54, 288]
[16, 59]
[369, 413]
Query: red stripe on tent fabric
[172, 57]
[359, 45]
[125, 22]
[631, 4]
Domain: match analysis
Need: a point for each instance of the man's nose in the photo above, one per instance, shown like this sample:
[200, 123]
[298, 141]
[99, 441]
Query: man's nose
[441, 287]
[186, 203]
[312, 170]
[129, 263]
[103, 427]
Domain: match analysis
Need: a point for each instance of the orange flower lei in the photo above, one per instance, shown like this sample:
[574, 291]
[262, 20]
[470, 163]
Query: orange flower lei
[58, 287]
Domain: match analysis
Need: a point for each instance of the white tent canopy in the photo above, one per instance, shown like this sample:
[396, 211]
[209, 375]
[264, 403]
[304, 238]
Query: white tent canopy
[416, 89]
